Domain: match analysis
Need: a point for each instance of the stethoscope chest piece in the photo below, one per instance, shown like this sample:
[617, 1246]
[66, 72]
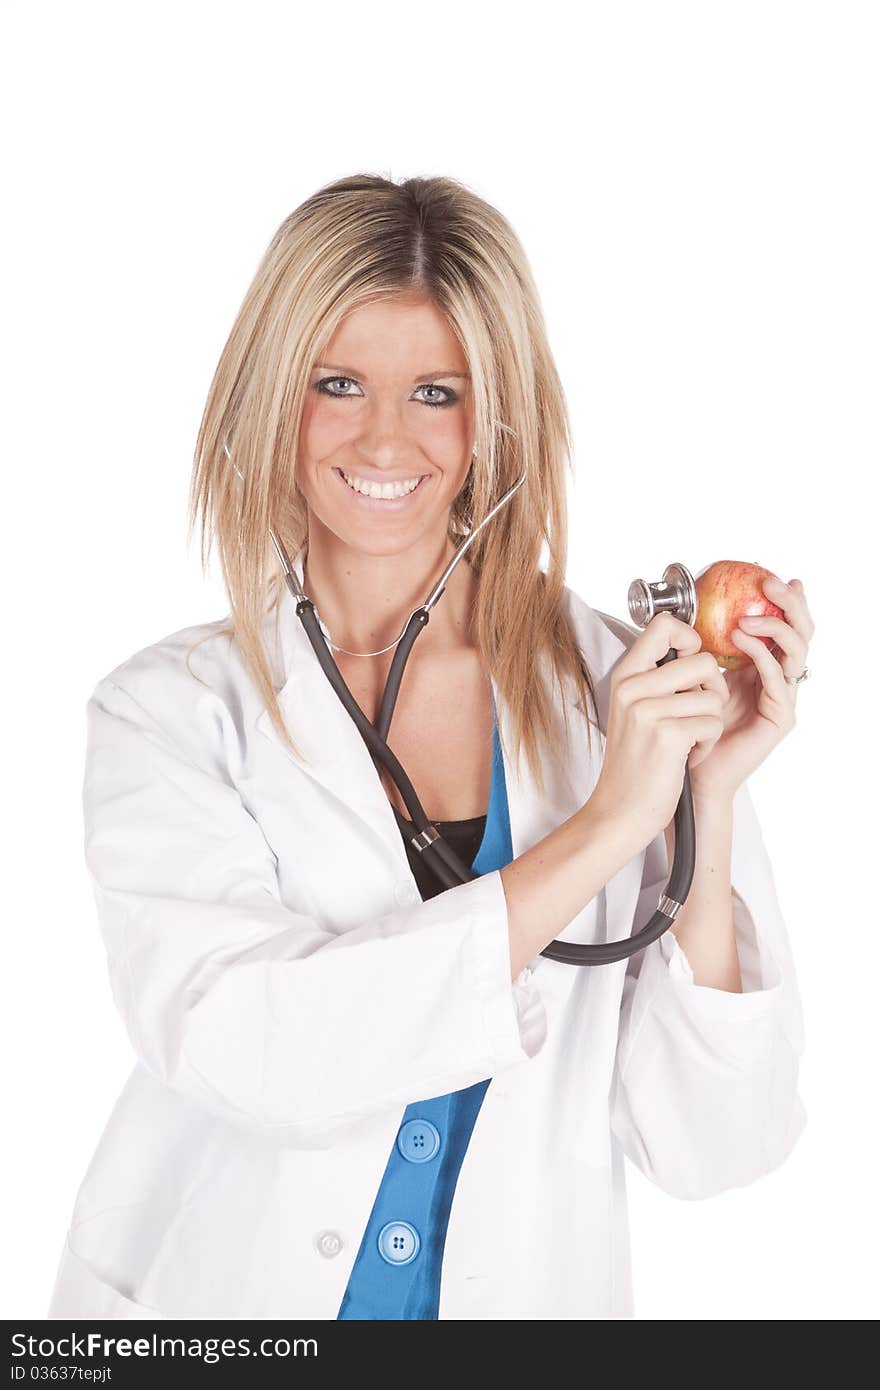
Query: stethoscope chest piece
[675, 593]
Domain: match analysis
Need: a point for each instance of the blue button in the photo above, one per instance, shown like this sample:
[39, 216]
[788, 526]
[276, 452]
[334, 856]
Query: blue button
[398, 1242]
[418, 1140]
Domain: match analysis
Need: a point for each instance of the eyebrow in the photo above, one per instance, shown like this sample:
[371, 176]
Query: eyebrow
[350, 371]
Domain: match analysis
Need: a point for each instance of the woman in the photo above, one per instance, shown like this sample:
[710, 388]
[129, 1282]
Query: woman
[356, 1095]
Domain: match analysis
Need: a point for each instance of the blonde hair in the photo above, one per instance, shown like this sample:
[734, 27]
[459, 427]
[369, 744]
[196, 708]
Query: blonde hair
[354, 241]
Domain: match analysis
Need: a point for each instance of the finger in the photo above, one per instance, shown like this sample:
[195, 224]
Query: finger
[718, 683]
[811, 626]
[697, 670]
[662, 632]
[769, 668]
[792, 603]
[672, 631]
[790, 642]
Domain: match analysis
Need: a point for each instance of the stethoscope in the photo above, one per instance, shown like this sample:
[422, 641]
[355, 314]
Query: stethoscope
[675, 593]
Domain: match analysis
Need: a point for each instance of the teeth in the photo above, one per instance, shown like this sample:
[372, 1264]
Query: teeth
[386, 491]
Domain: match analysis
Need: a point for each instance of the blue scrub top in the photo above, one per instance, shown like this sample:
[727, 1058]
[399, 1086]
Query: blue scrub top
[396, 1275]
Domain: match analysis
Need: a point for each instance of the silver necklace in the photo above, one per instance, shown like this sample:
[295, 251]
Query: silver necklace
[336, 647]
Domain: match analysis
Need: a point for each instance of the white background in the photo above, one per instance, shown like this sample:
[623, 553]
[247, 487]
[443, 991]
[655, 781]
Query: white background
[696, 188]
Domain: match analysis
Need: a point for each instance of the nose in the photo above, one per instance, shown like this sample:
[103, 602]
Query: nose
[385, 439]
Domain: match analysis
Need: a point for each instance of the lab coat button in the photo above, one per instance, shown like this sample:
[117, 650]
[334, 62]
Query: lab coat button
[329, 1243]
[398, 1242]
[418, 1140]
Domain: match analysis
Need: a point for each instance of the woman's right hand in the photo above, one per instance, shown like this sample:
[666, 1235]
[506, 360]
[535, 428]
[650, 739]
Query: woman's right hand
[660, 719]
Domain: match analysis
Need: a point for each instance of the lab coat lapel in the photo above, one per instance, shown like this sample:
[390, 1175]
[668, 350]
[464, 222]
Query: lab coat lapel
[322, 729]
[339, 760]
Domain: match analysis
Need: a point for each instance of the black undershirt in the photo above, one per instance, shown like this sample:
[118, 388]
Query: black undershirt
[464, 836]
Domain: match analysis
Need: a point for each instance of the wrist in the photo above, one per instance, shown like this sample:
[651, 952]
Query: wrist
[712, 801]
[618, 829]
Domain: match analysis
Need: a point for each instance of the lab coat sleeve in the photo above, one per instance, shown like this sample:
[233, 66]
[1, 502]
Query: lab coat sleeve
[262, 1015]
[704, 1093]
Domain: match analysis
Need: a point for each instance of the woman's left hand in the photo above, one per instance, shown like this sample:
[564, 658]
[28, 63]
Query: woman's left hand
[760, 710]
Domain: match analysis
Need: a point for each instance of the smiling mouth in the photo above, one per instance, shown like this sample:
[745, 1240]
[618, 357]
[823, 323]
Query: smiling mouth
[381, 492]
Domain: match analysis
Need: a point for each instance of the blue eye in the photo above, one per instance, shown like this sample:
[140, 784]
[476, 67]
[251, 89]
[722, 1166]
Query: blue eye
[323, 385]
[450, 396]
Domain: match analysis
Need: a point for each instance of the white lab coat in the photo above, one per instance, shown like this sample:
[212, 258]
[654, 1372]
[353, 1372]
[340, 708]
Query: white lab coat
[287, 994]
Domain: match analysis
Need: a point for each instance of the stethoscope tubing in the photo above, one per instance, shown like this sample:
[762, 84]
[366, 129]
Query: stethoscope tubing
[448, 866]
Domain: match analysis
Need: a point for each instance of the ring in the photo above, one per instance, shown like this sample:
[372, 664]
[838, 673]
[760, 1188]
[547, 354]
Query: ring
[796, 680]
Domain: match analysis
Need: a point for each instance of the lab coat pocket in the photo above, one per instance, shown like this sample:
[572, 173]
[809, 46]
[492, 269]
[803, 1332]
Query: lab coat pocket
[80, 1294]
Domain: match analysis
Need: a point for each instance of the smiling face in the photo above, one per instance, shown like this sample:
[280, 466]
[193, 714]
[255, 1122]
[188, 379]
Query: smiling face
[387, 429]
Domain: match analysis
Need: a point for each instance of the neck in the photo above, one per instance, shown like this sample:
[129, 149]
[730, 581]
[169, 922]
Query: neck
[365, 600]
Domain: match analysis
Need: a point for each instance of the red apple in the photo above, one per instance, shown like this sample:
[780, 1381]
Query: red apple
[727, 591]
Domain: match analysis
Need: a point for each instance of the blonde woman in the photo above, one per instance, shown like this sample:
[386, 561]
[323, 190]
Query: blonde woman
[359, 1093]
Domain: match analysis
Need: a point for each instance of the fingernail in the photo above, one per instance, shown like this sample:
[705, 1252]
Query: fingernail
[749, 622]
